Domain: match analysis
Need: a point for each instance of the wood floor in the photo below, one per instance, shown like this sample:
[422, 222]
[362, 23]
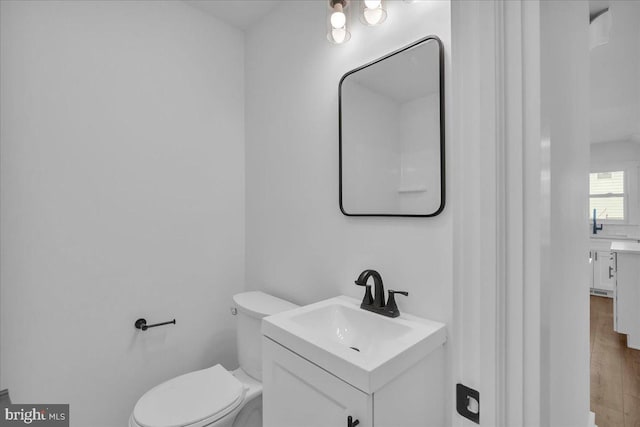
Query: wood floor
[615, 371]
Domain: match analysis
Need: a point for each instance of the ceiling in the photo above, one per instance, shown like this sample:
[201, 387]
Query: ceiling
[239, 13]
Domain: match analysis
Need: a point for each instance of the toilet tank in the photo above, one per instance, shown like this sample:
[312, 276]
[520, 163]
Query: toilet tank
[252, 307]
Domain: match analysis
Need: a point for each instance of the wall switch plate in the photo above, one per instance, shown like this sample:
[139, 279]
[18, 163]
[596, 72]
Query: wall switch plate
[468, 403]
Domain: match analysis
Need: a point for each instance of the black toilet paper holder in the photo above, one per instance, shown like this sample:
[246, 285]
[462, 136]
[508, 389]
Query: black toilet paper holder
[142, 324]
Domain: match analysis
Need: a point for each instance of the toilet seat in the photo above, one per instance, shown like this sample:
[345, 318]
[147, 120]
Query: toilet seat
[195, 399]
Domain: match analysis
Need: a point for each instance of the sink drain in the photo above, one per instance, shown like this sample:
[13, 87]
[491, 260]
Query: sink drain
[355, 348]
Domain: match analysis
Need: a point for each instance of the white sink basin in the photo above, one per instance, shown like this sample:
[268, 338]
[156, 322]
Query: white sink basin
[363, 348]
[352, 327]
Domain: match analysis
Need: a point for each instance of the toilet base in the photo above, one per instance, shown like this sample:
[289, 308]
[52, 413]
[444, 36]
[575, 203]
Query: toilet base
[251, 414]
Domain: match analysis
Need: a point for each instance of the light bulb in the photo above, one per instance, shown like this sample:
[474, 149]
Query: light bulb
[339, 35]
[374, 16]
[338, 19]
[373, 12]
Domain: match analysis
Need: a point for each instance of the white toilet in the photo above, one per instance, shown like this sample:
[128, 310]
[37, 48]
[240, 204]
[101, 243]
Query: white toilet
[215, 397]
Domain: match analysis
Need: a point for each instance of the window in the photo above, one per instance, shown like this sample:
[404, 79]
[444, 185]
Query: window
[607, 195]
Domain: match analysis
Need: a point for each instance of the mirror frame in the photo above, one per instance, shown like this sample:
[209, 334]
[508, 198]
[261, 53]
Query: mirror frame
[442, 129]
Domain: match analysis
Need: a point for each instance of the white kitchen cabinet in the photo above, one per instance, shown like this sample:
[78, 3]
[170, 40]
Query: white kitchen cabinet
[299, 393]
[591, 261]
[602, 272]
[600, 282]
[626, 273]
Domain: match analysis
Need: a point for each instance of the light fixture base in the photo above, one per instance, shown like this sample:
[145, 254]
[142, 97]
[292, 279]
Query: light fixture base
[333, 3]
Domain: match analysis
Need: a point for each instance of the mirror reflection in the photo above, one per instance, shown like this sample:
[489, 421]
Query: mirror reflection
[391, 134]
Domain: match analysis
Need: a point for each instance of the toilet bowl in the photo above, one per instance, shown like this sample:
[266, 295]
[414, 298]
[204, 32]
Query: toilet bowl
[216, 397]
[212, 397]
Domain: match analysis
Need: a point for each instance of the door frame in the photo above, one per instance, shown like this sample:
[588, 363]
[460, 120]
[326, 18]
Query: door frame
[520, 306]
[496, 194]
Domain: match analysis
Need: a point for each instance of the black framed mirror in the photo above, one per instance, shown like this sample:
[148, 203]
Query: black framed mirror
[391, 134]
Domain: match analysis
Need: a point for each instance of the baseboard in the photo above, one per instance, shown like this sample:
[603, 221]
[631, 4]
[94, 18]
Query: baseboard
[4, 398]
[592, 419]
[601, 293]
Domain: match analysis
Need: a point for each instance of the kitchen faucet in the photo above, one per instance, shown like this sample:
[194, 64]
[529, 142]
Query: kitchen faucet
[596, 227]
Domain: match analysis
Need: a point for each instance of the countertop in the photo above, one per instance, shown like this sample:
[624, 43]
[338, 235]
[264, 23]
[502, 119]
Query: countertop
[614, 237]
[627, 247]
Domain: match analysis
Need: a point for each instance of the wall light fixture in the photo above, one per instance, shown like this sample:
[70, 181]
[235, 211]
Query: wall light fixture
[337, 22]
[372, 12]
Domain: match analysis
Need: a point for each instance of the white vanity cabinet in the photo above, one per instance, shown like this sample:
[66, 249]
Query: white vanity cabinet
[332, 363]
[298, 393]
[626, 273]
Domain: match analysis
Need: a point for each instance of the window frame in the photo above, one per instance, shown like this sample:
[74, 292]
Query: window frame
[624, 194]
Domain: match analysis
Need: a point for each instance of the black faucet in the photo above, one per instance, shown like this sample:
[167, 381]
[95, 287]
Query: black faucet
[377, 280]
[378, 305]
[596, 227]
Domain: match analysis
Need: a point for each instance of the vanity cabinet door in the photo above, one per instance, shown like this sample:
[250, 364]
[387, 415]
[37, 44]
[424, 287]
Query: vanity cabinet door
[298, 393]
[602, 274]
[592, 260]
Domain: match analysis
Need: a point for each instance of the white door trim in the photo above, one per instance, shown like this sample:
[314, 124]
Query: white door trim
[496, 192]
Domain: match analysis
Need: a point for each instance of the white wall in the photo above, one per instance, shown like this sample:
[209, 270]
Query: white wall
[370, 130]
[420, 161]
[615, 77]
[122, 196]
[299, 245]
[614, 152]
[565, 167]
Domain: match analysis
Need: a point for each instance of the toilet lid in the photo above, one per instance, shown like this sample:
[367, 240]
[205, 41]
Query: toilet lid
[207, 394]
